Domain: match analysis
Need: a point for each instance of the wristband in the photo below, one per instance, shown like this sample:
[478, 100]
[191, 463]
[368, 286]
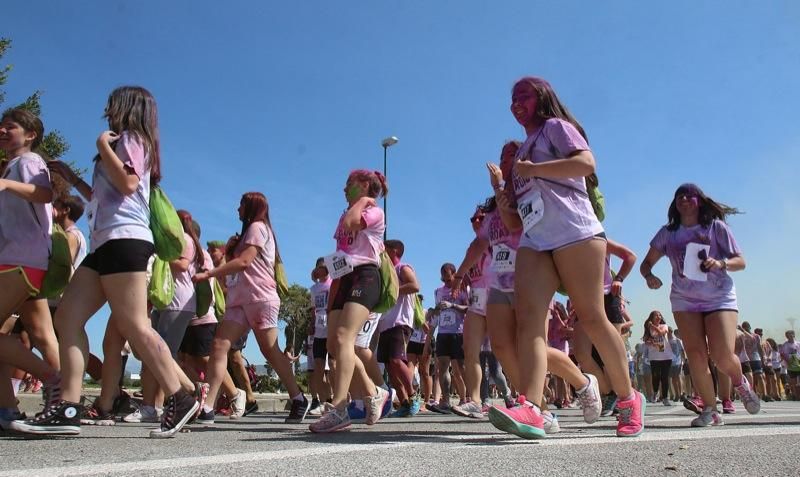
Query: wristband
[618, 279]
[724, 263]
[500, 186]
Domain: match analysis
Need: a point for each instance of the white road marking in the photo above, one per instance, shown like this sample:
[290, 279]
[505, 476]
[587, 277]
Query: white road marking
[182, 462]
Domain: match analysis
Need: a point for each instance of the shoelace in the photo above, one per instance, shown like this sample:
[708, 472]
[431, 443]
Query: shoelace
[169, 413]
[624, 415]
[586, 398]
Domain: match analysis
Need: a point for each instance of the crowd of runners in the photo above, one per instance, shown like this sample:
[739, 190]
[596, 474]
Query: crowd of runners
[534, 313]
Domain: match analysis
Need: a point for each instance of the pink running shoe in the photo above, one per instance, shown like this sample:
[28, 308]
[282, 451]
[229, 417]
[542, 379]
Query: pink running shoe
[523, 420]
[630, 420]
[749, 397]
[727, 407]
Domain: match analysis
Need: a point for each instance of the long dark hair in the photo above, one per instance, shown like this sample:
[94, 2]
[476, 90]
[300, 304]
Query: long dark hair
[647, 336]
[548, 106]
[186, 222]
[709, 208]
[255, 209]
[134, 109]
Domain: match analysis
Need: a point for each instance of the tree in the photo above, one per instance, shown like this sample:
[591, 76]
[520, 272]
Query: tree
[295, 312]
[54, 146]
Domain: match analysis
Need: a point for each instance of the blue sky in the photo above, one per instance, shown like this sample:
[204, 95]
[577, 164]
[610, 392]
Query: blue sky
[287, 97]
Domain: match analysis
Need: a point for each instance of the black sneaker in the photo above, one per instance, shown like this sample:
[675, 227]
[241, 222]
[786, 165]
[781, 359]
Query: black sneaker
[250, 408]
[205, 417]
[63, 418]
[298, 411]
[179, 408]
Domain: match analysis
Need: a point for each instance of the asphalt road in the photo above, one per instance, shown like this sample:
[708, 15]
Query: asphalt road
[764, 444]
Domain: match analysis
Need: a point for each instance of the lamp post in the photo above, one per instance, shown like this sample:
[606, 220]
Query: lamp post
[386, 143]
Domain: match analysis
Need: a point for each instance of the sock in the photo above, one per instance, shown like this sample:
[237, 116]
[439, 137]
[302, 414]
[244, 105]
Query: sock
[15, 384]
[207, 408]
[584, 387]
[299, 397]
[359, 404]
[145, 409]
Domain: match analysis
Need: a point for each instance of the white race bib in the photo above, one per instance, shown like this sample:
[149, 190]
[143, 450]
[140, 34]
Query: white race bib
[322, 319]
[531, 211]
[503, 258]
[338, 264]
[416, 336]
[478, 298]
[91, 213]
[447, 319]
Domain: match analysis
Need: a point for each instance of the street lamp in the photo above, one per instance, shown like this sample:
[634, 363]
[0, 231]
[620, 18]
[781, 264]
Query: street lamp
[386, 143]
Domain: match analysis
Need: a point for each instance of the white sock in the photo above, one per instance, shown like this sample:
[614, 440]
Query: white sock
[299, 397]
[15, 384]
[207, 408]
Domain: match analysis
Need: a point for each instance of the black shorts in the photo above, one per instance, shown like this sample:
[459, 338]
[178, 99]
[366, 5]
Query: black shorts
[769, 371]
[415, 348]
[686, 369]
[746, 368]
[706, 313]
[362, 286]
[392, 344]
[197, 340]
[613, 306]
[450, 345]
[241, 343]
[320, 348]
[120, 256]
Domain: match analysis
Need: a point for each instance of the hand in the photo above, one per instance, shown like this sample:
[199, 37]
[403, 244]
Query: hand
[495, 174]
[525, 168]
[457, 285]
[58, 167]
[653, 282]
[713, 264]
[367, 202]
[443, 305]
[616, 288]
[106, 137]
[502, 200]
[200, 277]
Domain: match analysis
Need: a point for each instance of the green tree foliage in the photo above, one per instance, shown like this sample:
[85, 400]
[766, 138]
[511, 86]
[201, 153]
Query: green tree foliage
[54, 145]
[295, 311]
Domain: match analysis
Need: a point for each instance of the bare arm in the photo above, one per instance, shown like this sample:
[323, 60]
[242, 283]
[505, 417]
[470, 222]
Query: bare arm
[123, 178]
[578, 164]
[409, 281]
[30, 192]
[238, 264]
[353, 220]
[646, 268]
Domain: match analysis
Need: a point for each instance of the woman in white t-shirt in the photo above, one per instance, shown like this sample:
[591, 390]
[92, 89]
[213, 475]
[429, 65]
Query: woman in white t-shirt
[660, 353]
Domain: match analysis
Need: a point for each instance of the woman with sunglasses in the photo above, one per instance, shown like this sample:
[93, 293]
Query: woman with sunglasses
[702, 250]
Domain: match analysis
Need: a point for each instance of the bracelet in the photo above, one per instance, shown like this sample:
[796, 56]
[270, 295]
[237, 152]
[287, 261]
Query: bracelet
[500, 186]
[618, 279]
[724, 263]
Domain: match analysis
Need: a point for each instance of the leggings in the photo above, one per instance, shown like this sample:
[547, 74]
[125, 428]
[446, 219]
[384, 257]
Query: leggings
[660, 372]
[487, 357]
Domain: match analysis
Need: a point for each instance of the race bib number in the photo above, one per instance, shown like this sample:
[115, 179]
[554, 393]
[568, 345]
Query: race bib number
[503, 258]
[232, 280]
[531, 211]
[322, 319]
[447, 319]
[478, 298]
[416, 336]
[338, 265]
[91, 213]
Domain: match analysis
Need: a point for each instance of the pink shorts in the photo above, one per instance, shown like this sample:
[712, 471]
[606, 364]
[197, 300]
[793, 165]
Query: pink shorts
[33, 277]
[261, 315]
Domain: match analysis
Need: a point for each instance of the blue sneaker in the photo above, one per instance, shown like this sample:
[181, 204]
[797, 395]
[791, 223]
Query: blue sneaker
[356, 415]
[416, 404]
[387, 406]
[403, 411]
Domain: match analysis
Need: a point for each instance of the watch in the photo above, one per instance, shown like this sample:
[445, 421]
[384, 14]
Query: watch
[724, 263]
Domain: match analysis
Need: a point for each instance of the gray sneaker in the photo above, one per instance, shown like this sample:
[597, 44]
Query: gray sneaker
[374, 405]
[238, 404]
[709, 417]
[469, 409]
[749, 397]
[590, 400]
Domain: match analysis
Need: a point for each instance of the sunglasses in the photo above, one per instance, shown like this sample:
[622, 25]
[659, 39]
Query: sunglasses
[703, 255]
[686, 196]
[475, 220]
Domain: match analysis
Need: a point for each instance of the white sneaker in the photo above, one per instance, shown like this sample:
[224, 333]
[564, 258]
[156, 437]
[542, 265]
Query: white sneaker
[238, 404]
[144, 414]
[666, 402]
[374, 405]
[749, 397]
[550, 423]
[709, 417]
[591, 401]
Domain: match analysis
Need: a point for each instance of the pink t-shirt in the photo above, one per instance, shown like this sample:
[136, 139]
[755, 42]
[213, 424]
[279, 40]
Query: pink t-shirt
[112, 214]
[185, 298]
[209, 317]
[497, 234]
[364, 246]
[257, 282]
[24, 226]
